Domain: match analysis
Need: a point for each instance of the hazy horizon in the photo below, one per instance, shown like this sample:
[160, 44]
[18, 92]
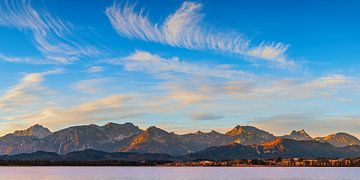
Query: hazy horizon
[194, 65]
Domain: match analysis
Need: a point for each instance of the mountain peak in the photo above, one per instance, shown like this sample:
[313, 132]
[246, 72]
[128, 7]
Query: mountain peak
[154, 129]
[239, 127]
[238, 130]
[36, 130]
[340, 139]
[156, 140]
[110, 124]
[36, 126]
[249, 135]
[199, 132]
[301, 132]
[300, 135]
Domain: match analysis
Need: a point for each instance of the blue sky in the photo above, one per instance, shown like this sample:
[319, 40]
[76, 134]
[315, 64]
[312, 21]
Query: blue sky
[194, 65]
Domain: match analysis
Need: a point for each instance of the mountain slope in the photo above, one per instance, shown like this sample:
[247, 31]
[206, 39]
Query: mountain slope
[200, 140]
[155, 140]
[88, 156]
[281, 147]
[77, 138]
[127, 137]
[36, 130]
[249, 135]
[340, 139]
[23, 141]
[107, 138]
[10, 144]
[298, 135]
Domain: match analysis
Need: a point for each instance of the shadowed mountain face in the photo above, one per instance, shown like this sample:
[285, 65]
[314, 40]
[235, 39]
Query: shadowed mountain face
[281, 147]
[108, 138]
[36, 130]
[248, 135]
[201, 140]
[21, 141]
[88, 155]
[155, 140]
[298, 135]
[127, 137]
[340, 139]
[18, 144]
[159, 141]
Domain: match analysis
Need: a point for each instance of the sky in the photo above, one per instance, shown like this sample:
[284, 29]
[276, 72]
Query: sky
[181, 65]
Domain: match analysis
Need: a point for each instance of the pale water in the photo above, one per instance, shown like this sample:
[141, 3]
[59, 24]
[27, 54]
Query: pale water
[174, 173]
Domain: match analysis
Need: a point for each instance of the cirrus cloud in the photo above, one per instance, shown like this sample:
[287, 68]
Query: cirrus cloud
[53, 37]
[27, 91]
[184, 29]
[154, 64]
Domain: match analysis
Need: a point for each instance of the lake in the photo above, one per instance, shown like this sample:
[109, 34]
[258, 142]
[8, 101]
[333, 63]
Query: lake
[175, 173]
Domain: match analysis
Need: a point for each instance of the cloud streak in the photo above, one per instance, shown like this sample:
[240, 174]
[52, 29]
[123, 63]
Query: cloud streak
[205, 116]
[245, 100]
[95, 69]
[27, 91]
[112, 107]
[320, 87]
[51, 35]
[154, 64]
[106, 108]
[91, 86]
[27, 60]
[184, 29]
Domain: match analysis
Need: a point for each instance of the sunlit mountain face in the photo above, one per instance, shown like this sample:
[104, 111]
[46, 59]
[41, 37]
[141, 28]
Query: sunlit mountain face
[197, 68]
[240, 141]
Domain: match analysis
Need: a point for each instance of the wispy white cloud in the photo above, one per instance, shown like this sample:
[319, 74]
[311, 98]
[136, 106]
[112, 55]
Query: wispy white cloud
[51, 35]
[95, 69]
[245, 100]
[334, 80]
[112, 107]
[264, 95]
[116, 106]
[154, 64]
[184, 29]
[106, 108]
[28, 60]
[320, 87]
[27, 91]
[91, 86]
[205, 116]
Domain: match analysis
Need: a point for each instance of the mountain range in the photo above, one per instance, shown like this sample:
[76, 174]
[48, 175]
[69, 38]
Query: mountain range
[246, 141]
[89, 155]
[280, 147]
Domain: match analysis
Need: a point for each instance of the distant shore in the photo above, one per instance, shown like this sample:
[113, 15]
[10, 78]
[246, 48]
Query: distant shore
[278, 162]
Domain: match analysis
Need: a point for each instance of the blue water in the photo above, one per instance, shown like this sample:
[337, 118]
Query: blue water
[174, 173]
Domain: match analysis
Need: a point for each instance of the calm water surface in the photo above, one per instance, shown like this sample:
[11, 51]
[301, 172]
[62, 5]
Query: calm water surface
[173, 173]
